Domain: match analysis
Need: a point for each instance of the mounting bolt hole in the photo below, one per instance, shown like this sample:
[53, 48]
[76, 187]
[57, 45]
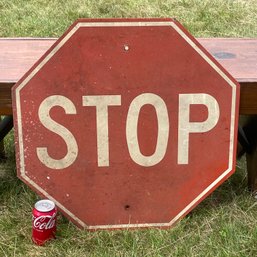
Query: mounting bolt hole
[126, 47]
[126, 207]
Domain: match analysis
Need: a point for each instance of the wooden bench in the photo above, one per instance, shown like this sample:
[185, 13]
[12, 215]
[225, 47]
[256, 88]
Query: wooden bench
[238, 56]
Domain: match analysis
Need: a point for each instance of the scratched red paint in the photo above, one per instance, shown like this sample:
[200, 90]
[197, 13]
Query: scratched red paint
[91, 112]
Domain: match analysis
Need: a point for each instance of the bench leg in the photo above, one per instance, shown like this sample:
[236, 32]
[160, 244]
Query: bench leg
[2, 152]
[252, 170]
[6, 125]
[250, 130]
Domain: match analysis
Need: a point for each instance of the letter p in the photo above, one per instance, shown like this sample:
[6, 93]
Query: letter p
[185, 127]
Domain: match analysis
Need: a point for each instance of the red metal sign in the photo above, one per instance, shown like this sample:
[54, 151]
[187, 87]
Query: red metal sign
[125, 123]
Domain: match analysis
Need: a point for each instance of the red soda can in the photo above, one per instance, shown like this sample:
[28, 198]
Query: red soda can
[43, 221]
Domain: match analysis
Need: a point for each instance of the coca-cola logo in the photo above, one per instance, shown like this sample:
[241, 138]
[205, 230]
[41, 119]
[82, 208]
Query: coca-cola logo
[44, 222]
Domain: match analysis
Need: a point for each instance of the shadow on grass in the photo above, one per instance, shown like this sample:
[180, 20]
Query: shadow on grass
[13, 192]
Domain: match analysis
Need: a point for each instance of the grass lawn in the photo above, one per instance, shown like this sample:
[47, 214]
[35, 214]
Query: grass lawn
[224, 224]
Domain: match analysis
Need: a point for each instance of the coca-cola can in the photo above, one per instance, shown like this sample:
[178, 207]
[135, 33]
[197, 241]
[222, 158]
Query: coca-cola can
[43, 221]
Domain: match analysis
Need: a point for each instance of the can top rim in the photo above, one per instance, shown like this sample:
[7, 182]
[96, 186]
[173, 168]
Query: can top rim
[44, 205]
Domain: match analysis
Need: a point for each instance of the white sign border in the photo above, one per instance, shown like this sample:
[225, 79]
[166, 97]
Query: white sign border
[124, 24]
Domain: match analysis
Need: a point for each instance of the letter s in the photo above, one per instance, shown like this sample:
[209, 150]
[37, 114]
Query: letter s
[67, 136]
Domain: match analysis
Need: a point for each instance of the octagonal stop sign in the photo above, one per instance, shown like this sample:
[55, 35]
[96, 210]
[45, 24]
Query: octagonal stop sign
[125, 123]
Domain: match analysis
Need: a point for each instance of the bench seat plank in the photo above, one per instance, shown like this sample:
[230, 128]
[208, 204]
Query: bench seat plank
[237, 56]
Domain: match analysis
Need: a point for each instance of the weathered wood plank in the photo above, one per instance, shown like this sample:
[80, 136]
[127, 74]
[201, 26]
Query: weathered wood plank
[5, 98]
[238, 56]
